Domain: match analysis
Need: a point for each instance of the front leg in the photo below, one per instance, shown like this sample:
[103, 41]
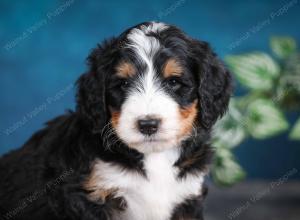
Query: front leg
[191, 208]
[70, 201]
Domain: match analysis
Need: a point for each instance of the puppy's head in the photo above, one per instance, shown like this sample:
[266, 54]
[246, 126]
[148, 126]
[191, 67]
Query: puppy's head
[154, 85]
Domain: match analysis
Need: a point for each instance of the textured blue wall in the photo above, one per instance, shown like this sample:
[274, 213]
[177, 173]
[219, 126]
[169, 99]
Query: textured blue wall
[43, 46]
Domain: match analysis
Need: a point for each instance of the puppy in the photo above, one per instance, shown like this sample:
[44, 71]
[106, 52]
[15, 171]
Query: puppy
[137, 145]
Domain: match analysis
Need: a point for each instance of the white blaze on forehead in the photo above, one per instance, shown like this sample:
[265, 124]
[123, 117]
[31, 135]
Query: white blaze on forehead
[145, 48]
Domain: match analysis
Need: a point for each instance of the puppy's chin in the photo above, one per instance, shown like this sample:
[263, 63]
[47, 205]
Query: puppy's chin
[148, 147]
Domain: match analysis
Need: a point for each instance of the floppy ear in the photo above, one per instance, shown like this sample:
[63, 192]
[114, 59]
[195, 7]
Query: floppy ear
[215, 84]
[90, 97]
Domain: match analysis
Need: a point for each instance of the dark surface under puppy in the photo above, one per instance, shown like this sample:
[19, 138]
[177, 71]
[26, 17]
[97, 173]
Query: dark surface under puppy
[144, 113]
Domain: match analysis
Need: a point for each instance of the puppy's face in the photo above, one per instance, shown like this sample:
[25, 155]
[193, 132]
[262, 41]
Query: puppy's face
[152, 86]
[153, 102]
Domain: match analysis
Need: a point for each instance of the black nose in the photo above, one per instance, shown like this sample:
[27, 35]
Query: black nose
[148, 126]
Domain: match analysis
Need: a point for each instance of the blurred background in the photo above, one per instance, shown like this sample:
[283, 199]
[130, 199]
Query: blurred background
[44, 44]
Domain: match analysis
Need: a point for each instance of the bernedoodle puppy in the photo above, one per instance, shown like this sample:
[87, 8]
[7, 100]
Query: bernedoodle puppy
[137, 145]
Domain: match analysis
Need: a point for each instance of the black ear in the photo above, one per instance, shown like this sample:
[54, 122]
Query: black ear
[215, 84]
[91, 103]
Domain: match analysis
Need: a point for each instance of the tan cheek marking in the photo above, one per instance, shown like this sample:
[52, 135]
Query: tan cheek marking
[115, 117]
[125, 70]
[172, 68]
[91, 184]
[187, 118]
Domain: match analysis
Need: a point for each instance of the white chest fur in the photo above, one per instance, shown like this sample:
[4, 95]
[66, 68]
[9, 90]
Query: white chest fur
[153, 197]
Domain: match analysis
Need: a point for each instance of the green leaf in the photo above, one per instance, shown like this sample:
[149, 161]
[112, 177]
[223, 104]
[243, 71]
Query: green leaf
[229, 132]
[291, 73]
[264, 119]
[226, 171]
[283, 46]
[254, 70]
[295, 133]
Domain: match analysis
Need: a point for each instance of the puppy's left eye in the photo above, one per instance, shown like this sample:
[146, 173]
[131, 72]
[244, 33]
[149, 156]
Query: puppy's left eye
[174, 84]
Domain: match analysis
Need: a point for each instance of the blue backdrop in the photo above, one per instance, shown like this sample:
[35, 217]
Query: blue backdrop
[43, 46]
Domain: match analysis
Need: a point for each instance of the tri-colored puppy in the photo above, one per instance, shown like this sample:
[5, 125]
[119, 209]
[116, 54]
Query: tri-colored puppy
[137, 143]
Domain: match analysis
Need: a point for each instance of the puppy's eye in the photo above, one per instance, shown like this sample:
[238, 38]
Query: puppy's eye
[174, 84]
[124, 84]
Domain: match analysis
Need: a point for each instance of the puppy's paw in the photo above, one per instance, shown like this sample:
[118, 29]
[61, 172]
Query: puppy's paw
[118, 203]
[109, 199]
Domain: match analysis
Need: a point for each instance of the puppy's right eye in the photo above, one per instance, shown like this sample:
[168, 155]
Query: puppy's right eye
[119, 84]
[124, 84]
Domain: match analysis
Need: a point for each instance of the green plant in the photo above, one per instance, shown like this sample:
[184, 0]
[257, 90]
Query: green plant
[272, 83]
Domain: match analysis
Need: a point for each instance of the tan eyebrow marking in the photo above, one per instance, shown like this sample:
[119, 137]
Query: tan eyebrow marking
[172, 68]
[125, 69]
